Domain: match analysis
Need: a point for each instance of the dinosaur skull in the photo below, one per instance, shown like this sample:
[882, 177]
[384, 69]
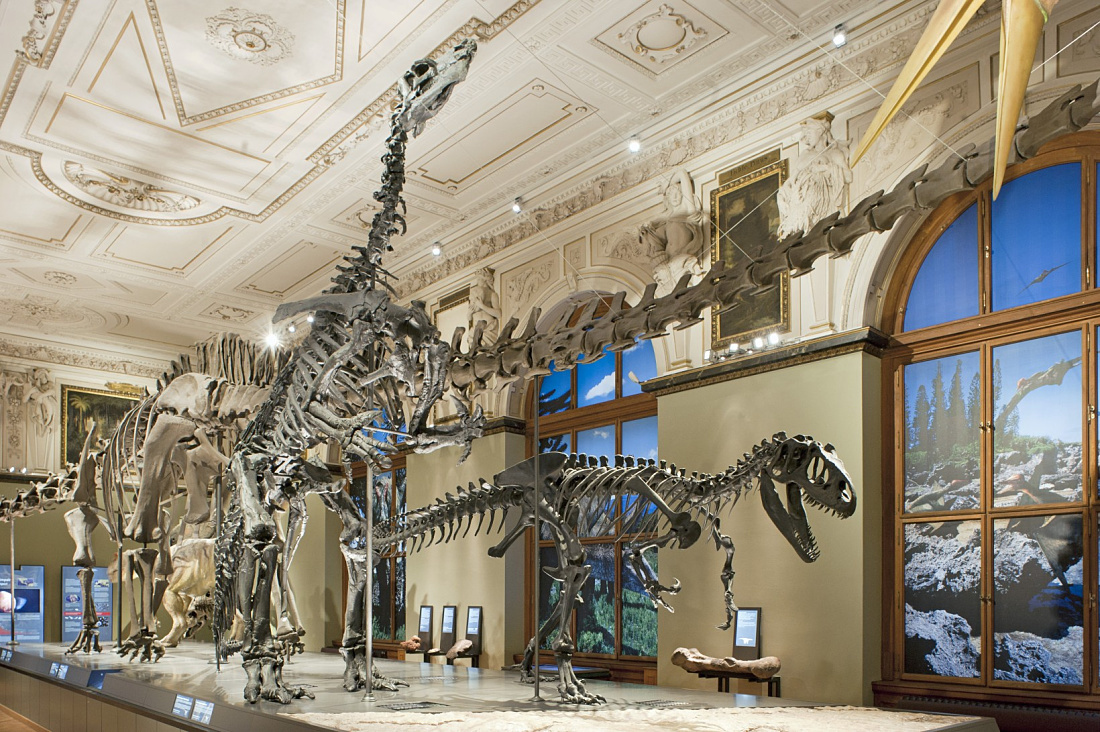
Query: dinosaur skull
[812, 473]
[427, 85]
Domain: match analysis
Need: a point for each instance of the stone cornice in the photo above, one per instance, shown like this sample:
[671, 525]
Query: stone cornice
[80, 357]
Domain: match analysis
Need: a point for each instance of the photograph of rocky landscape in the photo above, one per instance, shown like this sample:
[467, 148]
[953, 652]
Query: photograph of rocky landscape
[943, 620]
[1038, 620]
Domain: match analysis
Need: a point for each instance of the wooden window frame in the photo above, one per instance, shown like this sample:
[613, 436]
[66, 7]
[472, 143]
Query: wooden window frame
[983, 332]
[388, 645]
[616, 411]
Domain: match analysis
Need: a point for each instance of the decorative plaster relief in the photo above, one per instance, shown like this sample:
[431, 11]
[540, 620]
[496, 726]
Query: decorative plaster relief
[523, 284]
[943, 104]
[81, 358]
[819, 182]
[249, 36]
[32, 41]
[574, 263]
[662, 36]
[61, 279]
[228, 313]
[127, 192]
[1080, 37]
[890, 45]
[655, 37]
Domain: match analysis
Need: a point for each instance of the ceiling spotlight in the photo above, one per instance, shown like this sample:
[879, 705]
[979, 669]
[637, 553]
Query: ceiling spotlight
[309, 318]
[437, 248]
[272, 340]
[757, 342]
[24, 471]
[773, 339]
[706, 355]
[11, 469]
[517, 205]
[734, 347]
[292, 327]
[840, 35]
[635, 145]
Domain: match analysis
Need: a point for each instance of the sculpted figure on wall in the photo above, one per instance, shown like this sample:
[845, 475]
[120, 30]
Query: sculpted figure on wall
[677, 238]
[484, 306]
[820, 177]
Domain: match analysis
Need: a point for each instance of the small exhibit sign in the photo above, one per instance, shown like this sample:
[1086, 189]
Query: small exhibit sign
[182, 706]
[473, 621]
[425, 619]
[27, 602]
[449, 619]
[72, 608]
[203, 711]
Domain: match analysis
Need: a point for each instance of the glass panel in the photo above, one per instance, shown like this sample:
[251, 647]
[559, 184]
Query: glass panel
[1037, 611]
[399, 490]
[358, 492]
[596, 614]
[549, 592]
[596, 381]
[383, 496]
[946, 286]
[943, 611]
[1037, 237]
[597, 515]
[399, 600]
[556, 443]
[380, 600]
[942, 421]
[597, 442]
[639, 612]
[555, 392]
[640, 440]
[639, 364]
[1037, 421]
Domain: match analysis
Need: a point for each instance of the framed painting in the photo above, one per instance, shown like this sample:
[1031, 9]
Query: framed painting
[81, 407]
[744, 221]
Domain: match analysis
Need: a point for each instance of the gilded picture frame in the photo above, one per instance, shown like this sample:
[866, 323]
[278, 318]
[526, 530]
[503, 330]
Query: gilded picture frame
[80, 407]
[744, 221]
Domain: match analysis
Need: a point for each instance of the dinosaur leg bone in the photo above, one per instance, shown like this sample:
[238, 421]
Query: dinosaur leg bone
[80, 522]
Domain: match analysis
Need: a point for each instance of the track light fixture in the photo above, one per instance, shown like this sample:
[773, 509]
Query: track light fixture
[634, 145]
[840, 35]
[517, 205]
[272, 340]
[437, 249]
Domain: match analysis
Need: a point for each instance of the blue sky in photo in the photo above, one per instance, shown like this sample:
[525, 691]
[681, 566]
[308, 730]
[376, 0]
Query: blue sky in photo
[640, 437]
[598, 441]
[640, 361]
[946, 286]
[922, 374]
[1051, 411]
[1037, 237]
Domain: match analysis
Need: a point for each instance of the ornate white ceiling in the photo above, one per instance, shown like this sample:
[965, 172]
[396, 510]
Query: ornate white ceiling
[170, 169]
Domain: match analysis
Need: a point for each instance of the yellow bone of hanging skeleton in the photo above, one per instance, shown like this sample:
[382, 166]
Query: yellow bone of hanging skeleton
[1022, 23]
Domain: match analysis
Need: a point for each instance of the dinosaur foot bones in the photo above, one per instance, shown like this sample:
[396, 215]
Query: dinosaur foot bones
[265, 678]
[143, 643]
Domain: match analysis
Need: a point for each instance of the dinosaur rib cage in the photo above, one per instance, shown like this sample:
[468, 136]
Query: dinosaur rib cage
[581, 479]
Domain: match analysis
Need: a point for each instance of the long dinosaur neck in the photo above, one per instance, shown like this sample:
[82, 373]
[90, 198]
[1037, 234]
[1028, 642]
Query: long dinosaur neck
[363, 268]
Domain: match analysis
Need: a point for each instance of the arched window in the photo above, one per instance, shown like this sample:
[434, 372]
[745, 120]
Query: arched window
[993, 514]
[598, 408]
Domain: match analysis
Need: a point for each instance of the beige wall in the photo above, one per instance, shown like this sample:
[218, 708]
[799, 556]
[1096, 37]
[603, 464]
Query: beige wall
[43, 539]
[821, 619]
[462, 573]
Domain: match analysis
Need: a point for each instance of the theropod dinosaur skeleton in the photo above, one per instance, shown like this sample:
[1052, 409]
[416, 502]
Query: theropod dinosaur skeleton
[369, 361]
[686, 506]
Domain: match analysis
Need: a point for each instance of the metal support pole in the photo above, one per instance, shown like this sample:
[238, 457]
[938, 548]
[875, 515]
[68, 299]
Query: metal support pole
[13, 641]
[535, 544]
[217, 542]
[368, 593]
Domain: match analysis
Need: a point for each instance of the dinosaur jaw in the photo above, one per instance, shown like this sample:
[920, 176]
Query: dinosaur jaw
[790, 519]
